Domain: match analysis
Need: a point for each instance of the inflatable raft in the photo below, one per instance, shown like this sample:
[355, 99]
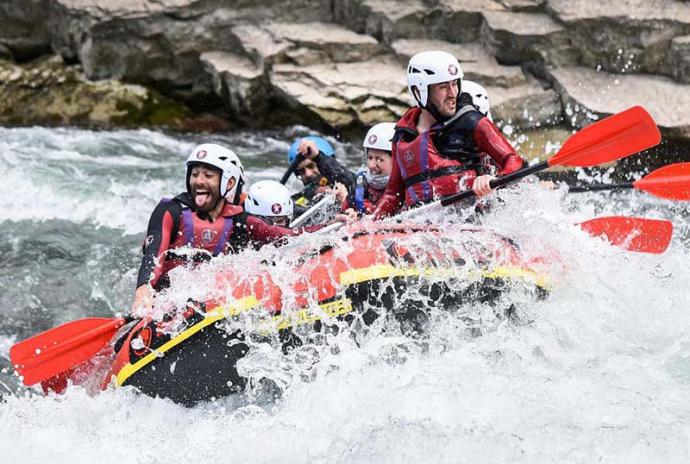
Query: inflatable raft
[400, 271]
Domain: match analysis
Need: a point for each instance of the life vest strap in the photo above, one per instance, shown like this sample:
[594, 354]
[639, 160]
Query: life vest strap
[428, 175]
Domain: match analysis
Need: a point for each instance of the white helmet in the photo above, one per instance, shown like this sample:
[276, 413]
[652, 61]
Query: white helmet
[269, 198]
[428, 68]
[223, 159]
[380, 137]
[480, 97]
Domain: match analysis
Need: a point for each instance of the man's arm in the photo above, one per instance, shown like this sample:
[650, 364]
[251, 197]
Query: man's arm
[490, 141]
[334, 171]
[157, 241]
[263, 233]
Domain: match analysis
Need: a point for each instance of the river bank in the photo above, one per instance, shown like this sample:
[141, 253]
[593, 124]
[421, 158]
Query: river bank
[337, 67]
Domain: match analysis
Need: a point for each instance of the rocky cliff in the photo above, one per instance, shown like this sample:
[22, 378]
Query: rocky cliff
[340, 64]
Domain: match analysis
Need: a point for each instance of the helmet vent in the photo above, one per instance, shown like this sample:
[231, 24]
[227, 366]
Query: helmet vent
[429, 72]
[412, 70]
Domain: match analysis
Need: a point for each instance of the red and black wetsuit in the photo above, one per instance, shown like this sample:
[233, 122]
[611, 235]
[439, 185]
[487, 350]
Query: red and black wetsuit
[431, 164]
[175, 224]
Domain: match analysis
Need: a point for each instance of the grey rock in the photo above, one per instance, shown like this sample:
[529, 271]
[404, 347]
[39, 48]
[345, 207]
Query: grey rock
[243, 86]
[344, 94]
[476, 62]
[679, 61]
[523, 37]
[527, 106]
[631, 37]
[24, 29]
[524, 6]
[159, 42]
[5, 53]
[305, 43]
[588, 95]
[461, 20]
[387, 20]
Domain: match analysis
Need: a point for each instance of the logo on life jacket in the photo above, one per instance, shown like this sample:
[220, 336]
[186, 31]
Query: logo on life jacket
[201, 154]
[207, 236]
[452, 69]
[409, 156]
[372, 139]
[276, 208]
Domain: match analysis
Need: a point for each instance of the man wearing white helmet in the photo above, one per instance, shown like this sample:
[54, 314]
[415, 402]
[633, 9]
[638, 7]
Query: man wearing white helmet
[200, 218]
[439, 144]
[371, 183]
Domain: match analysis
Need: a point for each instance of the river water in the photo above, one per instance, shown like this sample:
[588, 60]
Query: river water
[597, 372]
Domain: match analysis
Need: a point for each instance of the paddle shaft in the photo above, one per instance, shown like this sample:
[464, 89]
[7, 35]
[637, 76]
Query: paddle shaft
[291, 168]
[498, 182]
[598, 187]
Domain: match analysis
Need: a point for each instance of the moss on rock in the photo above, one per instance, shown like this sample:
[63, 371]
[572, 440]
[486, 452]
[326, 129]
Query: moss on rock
[52, 93]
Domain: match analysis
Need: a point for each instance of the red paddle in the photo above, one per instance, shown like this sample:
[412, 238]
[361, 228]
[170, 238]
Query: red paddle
[56, 350]
[671, 182]
[610, 139]
[631, 233]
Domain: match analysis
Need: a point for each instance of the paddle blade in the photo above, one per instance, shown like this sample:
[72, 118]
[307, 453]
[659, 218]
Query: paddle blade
[610, 139]
[56, 350]
[632, 233]
[671, 182]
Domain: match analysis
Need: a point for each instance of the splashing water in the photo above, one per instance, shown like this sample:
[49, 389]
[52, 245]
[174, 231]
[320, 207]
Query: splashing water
[598, 371]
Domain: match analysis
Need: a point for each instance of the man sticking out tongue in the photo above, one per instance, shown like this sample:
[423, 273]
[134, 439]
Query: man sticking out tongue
[208, 219]
[199, 219]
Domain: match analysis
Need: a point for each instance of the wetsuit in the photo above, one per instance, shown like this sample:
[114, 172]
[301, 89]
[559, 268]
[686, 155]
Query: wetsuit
[444, 159]
[331, 173]
[175, 224]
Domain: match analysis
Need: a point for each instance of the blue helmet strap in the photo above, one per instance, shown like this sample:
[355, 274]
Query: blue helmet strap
[360, 187]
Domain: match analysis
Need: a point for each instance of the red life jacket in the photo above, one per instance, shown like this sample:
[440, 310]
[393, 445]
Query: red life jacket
[425, 173]
[420, 172]
[215, 237]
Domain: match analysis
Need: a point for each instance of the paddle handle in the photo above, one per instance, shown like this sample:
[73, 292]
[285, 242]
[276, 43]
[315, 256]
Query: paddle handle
[597, 187]
[291, 168]
[498, 182]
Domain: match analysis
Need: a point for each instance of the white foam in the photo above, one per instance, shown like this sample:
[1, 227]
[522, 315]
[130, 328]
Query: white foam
[598, 372]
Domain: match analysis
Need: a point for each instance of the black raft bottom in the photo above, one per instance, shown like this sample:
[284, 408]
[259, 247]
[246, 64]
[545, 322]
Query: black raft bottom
[202, 368]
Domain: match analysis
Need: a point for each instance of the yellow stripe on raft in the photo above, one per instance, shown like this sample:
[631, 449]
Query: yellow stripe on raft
[234, 308]
[284, 320]
[385, 271]
[332, 309]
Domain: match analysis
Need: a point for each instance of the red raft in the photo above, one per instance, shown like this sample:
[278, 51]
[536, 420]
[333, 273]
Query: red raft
[397, 271]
